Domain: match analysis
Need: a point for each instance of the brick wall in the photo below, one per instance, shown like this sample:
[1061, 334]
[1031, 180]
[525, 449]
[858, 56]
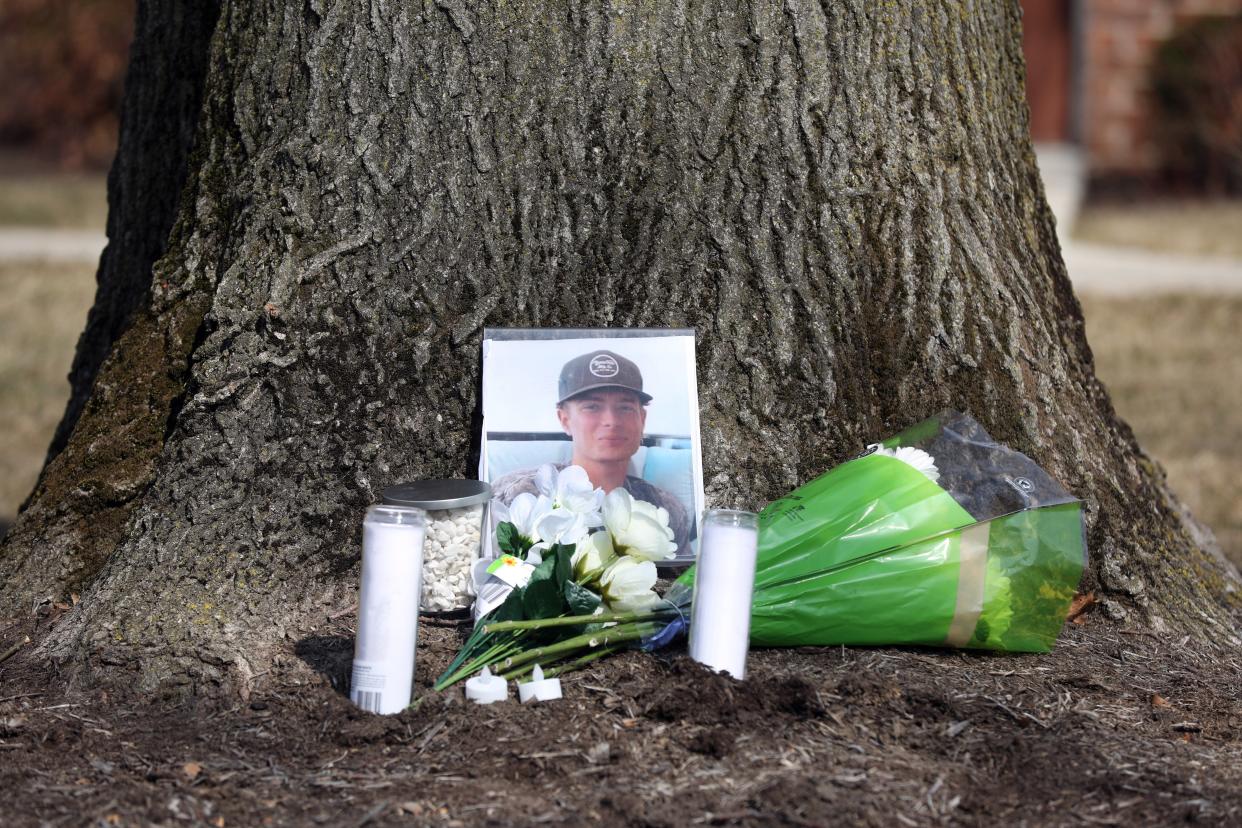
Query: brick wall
[1119, 38]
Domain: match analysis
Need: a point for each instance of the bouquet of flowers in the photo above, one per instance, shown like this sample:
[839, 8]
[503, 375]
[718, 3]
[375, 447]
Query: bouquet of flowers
[577, 579]
[937, 536]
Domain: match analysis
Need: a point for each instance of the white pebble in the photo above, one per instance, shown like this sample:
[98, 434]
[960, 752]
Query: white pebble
[449, 552]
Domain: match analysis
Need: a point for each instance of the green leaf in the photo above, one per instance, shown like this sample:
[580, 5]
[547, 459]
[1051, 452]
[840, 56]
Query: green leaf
[512, 609]
[543, 599]
[511, 542]
[506, 534]
[545, 571]
[580, 599]
[564, 566]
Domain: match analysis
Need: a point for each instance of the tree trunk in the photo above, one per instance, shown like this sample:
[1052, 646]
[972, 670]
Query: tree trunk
[77, 514]
[840, 197]
[164, 92]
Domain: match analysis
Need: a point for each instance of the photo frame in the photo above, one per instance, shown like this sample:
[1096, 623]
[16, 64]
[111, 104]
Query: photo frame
[606, 399]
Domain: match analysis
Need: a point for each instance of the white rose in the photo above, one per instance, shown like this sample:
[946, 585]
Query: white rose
[638, 528]
[593, 555]
[628, 585]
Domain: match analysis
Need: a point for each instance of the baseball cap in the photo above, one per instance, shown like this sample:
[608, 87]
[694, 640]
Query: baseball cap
[600, 369]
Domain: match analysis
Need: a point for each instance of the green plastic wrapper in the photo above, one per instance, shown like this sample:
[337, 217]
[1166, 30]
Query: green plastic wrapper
[874, 552]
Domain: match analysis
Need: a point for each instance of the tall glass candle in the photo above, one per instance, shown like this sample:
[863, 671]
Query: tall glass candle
[724, 581]
[392, 562]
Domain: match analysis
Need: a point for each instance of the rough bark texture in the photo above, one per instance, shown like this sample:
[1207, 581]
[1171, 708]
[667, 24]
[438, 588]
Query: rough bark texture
[840, 197]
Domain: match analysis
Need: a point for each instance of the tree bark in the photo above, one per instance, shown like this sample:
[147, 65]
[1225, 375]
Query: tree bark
[840, 197]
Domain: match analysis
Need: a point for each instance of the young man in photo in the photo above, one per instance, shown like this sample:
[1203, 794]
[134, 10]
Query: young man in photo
[601, 405]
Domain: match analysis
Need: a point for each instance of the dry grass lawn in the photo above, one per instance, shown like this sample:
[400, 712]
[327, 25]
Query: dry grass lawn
[77, 201]
[1173, 365]
[1201, 228]
[42, 309]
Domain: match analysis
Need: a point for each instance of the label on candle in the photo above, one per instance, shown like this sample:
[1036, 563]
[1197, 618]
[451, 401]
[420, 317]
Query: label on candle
[367, 684]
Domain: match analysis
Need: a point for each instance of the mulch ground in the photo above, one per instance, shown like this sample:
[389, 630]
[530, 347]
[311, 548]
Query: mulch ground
[1113, 728]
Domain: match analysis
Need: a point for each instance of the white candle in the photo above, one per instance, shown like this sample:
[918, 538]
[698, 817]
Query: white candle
[539, 688]
[392, 562]
[486, 688]
[724, 580]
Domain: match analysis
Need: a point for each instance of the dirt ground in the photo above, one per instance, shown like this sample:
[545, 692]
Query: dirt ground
[1112, 728]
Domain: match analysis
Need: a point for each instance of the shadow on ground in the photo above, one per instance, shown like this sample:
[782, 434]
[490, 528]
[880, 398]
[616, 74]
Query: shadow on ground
[328, 655]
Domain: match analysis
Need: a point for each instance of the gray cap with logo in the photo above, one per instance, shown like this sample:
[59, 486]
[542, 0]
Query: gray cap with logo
[600, 369]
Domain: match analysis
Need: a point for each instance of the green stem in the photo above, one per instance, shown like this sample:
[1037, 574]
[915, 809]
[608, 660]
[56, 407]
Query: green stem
[580, 662]
[611, 635]
[575, 620]
[474, 642]
[487, 658]
[523, 673]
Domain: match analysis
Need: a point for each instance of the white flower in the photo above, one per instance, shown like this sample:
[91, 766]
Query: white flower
[559, 526]
[545, 480]
[524, 513]
[575, 492]
[628, 585]
[593, 555]
[638, 528]
[571, 489]
[917, 458]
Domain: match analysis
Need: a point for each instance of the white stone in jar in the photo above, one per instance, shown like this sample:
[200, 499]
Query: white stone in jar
[451, 548]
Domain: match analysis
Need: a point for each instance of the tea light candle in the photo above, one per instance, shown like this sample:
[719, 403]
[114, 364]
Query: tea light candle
[539, 688]
[724, 581]
[486, 688]
[392, 563]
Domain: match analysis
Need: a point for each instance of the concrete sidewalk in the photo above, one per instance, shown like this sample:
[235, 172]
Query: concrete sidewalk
[1121, 271]
[49, 245]
[1129, 271]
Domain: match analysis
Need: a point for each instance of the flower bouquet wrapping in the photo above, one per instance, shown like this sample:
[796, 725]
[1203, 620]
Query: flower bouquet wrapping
[937, 536]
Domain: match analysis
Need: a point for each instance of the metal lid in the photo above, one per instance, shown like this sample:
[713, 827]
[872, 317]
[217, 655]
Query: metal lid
[438, 494]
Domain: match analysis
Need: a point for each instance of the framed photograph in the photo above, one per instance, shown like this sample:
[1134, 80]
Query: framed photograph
[621, 403]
